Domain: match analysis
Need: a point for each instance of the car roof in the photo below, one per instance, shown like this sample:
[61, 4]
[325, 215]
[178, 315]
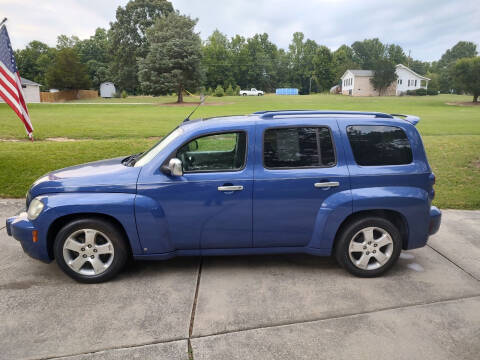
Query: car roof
[272, 115]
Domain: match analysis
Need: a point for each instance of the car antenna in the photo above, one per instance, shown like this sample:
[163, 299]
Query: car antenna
[202, 100]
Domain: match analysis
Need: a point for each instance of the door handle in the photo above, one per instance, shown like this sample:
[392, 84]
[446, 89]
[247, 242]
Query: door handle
[230, 188]
[327, 184]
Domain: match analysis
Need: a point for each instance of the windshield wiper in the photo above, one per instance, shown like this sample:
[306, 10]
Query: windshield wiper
[131, 160]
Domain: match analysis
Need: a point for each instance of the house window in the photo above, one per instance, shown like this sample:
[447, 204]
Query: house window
[415, 82]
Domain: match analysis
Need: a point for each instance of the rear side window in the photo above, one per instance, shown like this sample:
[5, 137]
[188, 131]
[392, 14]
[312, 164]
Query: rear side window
[379, 145]
[298, 147]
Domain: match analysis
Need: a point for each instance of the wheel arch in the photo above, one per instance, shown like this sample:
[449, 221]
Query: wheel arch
[60, 222]
[395, 217]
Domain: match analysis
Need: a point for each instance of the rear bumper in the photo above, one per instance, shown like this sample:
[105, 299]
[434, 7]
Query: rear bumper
[435, 220]
[20, 228]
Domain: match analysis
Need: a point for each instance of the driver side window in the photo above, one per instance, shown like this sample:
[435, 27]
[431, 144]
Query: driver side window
[215, 152]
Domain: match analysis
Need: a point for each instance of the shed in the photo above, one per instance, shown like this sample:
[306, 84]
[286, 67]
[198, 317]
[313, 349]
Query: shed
[107, 89]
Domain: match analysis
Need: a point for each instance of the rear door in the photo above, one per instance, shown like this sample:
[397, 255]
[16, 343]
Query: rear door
[297, 168]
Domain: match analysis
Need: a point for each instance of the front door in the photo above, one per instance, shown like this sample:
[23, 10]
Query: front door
[210, 206]
[296, 171]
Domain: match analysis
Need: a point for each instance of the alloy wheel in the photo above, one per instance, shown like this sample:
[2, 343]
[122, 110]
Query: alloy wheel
[88, 252]
[370, 248]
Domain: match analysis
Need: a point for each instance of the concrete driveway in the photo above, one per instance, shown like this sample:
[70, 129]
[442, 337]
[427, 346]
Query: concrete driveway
[264, 307]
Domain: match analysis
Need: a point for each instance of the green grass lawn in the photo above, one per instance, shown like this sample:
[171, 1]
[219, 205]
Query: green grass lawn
[451, 134]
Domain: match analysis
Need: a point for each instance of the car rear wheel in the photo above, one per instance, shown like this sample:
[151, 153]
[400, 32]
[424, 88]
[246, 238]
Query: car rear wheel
[90, 250]
[368, 247]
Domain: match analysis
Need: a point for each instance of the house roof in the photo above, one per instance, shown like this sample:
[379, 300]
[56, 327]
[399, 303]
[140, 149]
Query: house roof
[28, 82]
[413, 72]
[358, 72]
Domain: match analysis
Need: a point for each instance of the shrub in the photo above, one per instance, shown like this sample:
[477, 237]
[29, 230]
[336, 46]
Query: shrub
[219, 91]
[237, 90]
[209, 91]
[124, 94]
[422, 92]
[229, 91]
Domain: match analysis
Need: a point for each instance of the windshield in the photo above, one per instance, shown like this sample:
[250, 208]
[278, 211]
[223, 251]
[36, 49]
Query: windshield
[155, 150]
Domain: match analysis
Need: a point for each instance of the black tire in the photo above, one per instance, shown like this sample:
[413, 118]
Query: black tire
[346, 236]
[116, 238]
[244, 94]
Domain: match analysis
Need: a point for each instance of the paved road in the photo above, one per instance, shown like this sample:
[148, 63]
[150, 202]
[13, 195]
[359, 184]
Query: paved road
[264, 307]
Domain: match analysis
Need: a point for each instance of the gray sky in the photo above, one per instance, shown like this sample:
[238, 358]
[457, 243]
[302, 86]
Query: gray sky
[426, 27]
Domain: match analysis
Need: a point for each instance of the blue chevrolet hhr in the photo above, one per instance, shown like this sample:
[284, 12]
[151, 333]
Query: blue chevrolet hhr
[353, 184]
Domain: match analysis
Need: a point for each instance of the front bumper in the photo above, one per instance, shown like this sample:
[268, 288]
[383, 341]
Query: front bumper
[435, 220]
[21, 229]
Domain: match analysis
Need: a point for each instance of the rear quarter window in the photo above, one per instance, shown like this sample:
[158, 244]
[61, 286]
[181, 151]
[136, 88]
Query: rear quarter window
[375, 145]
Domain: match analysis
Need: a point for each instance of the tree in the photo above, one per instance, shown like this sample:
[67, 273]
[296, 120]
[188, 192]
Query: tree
[239, 58]
[261, 54]
[217, 60]
[396, 55]
[323, 68]
[445, 66]
[64, 41]
[173, 61]
[342, 61]
[34, 60]
[301, 69]
[466, 75]
[94, 53]
[462, 49]
[366, 53]
[420, 67]
[66, 71]
[384, 75]
[128, 38]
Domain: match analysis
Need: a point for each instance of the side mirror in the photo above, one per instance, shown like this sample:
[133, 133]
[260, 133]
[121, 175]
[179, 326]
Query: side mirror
[174, 167]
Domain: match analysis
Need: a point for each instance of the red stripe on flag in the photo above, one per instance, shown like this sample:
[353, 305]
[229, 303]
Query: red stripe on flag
[20, 93]
[8, 76]
[4, 87]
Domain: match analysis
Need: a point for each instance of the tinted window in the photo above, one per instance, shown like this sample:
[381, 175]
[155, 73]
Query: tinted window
[298, 147]
[379, 145]
[216, 152]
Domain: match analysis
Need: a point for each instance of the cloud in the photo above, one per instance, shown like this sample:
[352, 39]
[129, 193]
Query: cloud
[427, 27]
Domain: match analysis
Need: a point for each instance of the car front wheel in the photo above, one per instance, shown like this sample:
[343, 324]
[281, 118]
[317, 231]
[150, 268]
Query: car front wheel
[90, 250]
[368, 247]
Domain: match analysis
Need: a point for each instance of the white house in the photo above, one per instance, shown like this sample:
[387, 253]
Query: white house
[107, 89]
[409, 80]
[357, 82]
[31, 91]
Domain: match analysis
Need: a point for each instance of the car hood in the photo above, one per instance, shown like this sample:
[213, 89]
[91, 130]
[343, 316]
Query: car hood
[99, 176]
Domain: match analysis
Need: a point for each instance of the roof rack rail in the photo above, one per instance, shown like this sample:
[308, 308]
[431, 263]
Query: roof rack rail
[271, 114]
[410, 118]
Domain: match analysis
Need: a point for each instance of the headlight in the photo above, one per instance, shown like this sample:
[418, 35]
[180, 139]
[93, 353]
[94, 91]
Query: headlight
[35, 208]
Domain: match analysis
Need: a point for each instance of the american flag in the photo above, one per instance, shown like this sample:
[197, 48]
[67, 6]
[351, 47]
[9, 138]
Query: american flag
[10, 83]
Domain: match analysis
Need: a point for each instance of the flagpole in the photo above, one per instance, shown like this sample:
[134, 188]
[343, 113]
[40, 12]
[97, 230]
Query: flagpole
[3, 21]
